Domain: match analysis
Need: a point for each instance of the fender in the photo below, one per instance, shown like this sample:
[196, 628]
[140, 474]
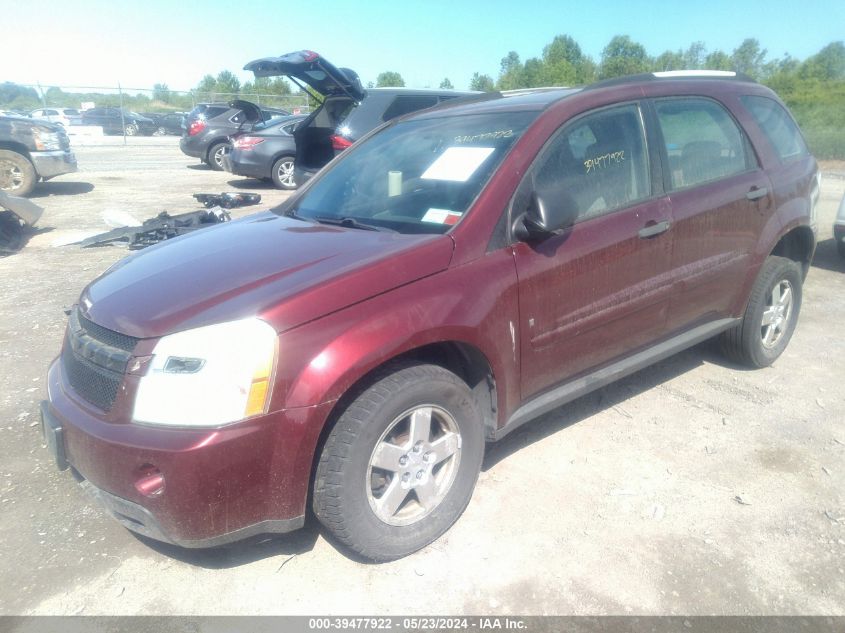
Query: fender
[475, 304]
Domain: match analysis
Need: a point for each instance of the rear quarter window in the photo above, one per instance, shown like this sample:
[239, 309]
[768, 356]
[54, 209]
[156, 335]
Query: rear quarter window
[777, 125]
[703, 142]
[404, 104]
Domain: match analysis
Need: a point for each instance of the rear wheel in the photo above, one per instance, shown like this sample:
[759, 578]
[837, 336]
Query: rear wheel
[216, 154]
[770, 317]
[17, 175]
[399, 466]
[283, 175]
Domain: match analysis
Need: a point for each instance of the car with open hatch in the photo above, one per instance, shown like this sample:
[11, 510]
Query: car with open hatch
[266, 152]
[208, 126]
[347, 110]
[449, 278]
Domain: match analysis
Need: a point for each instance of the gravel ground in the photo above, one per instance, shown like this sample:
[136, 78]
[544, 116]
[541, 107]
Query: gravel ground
[692, 487]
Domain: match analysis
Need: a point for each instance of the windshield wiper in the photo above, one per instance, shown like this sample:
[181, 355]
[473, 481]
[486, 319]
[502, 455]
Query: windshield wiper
[351, 223]
[293, 214]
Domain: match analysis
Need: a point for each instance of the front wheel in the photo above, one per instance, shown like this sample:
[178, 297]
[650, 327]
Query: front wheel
[17, 175]
[770, 317]
[399, 466]
[130, 130]
[283, 173]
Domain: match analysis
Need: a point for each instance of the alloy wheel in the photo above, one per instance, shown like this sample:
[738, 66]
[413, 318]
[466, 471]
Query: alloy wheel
[777, 313]
[413, 465]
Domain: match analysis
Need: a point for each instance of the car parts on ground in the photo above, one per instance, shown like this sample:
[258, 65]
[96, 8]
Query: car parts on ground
[165, 226]
[16, 216]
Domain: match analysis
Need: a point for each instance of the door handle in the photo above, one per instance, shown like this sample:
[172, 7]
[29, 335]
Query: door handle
[652, 230]
[757, 192]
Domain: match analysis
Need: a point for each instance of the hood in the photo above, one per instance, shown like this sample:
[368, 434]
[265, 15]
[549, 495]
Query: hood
[287, 270]
[309, 67]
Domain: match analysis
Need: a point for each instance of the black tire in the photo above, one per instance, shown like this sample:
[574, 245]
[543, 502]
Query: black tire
[17, 175]
[215, 155]
[282, 173]
[746, 343]
[343, 485]
[840, 247]
[130, 130]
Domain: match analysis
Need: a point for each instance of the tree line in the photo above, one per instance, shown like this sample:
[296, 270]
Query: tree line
[813, 88]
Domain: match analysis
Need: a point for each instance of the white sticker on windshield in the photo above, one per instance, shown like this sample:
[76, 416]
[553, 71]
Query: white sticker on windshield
[441, 216]
[457, 163]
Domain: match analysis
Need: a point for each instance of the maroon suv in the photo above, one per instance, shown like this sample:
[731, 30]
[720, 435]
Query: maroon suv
[455, 274]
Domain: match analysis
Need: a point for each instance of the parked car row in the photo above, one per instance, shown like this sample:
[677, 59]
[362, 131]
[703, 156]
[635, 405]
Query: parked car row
[248, 140]
[209, 126]
[63, 116]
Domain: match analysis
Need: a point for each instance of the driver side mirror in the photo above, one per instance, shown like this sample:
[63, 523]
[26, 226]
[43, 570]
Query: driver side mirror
[543, 217]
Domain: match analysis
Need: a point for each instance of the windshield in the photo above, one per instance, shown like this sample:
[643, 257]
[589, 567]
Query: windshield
[418, 176]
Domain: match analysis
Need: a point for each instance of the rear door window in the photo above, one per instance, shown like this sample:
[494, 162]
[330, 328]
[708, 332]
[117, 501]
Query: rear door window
[777, 125]
[703, 142]
[404, 104]
[597, 164]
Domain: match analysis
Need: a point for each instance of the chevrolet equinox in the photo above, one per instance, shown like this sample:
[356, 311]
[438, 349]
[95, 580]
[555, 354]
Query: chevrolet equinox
[453, 275]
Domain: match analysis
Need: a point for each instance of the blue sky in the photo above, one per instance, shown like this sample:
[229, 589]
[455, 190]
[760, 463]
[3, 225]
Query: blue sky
[139, 43]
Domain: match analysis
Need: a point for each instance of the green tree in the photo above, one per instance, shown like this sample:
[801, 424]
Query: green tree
[563, 62]
[694, 56]
[748, 58]
[446, 84]
[670, 61]
[718, 60]
[206, 84]
[161, 93]
[827, 65]
[483, 83]
[510, 72]
[390, 79]
[227, 83]
[533, 73]
[623, 56]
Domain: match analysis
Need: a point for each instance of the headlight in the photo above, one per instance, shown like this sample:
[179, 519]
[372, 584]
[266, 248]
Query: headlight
[208, 376]
[45, 140]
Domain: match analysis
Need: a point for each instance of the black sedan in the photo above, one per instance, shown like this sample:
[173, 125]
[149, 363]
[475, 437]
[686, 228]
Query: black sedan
[167, 123]
[113, 121]
[266, 152]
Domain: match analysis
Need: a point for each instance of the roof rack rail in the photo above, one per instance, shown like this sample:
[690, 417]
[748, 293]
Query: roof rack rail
[728, 75]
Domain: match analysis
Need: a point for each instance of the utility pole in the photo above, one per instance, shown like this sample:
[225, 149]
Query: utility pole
[122, 119]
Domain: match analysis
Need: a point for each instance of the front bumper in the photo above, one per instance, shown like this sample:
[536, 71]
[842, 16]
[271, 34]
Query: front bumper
[53, 163]
[217, 485]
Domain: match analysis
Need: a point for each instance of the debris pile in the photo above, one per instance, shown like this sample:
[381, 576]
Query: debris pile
[165, 226]
[16, 215]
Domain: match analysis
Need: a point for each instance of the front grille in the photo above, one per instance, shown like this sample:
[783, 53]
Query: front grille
[94, 360]
[109, 337]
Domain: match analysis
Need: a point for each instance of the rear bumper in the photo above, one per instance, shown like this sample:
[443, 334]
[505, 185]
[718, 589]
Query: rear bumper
[50, 164]
[237, 163]
[190, 148]
[209, 486]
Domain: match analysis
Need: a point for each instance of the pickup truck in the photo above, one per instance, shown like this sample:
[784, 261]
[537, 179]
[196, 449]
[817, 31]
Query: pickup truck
[31, 151]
